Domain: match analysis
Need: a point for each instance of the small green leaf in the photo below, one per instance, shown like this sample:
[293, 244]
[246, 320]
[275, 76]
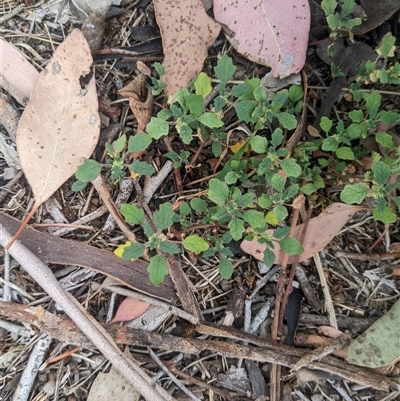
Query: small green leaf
[218, 192]
[287, 120]
[280, 212]
[381, 173]
[356, 116]
[290, 167]
[354, 193]
[278, 182]
[139, 142]
[264, 201]
[157, 269]
[88, 171]
[157, 128]
[373, 101]
[308, 189]
[389, 117]
[147, 229]
[216, 148]
[78, 186]
[224, 69]
[141, 168]
[254, 218]
[195, 104]
[236, 228]
[184, 209]
[330, 144]
[202, 85]
[345, 153]
[133, 251]
[210, 120]
[291, 246]
[269, 257]
[325, 124]
[387, 217]
[329, 6]
[231, 178]
[387, 46]
[384, 139]
[195, 243]
[169, 247]
[164, 217]
[132, 214]
[225, 268]
[260, 94]
[258, 144]
[296, 93]
[281, 232]
[244, 110]
[199, 205]
[120, 143]
[245, 199]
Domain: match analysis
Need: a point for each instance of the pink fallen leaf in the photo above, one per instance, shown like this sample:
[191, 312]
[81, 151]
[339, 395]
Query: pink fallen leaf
[17, 75]
[186, 31]
[129, 309]
[269, 32]
[60, 126]
[321, 230]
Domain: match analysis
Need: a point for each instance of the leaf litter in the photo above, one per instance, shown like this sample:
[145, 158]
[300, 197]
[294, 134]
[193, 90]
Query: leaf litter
[321, 225]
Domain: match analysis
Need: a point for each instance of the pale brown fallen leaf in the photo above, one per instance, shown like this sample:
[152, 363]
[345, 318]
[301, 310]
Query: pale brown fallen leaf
[17, 75]
[130, 308]
[60, 126]
[186, 31]
[269, 32]
[320, 231]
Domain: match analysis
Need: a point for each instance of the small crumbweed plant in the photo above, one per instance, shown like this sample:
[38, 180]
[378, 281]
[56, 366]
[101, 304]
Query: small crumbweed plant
[261, 180]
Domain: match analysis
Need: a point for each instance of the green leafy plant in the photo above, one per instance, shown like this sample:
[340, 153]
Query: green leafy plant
[339, 15]
[259, 181]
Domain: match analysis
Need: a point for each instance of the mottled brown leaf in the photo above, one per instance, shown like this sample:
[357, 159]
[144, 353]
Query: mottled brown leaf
[60, 125]
[186, 31]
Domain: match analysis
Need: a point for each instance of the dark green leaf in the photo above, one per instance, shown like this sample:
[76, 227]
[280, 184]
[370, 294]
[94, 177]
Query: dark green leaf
[157, 269]
[133, 251]
[199, 205]
[164, 217]
[291, 246]
[132, 214]
[218, 192]
[225, 268]
[354, 193]
[169, 247]
[78, 186]
[141, 168]
[139, 142]
[88, 171]
[157, 128]
[224, 69]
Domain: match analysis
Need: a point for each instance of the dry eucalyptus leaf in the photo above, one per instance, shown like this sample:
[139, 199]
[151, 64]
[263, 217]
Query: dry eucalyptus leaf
[321, 230]
[61, 125]
[380, 344]
[186, 31]
[17, 74]
[269, 32]
[112, 386]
